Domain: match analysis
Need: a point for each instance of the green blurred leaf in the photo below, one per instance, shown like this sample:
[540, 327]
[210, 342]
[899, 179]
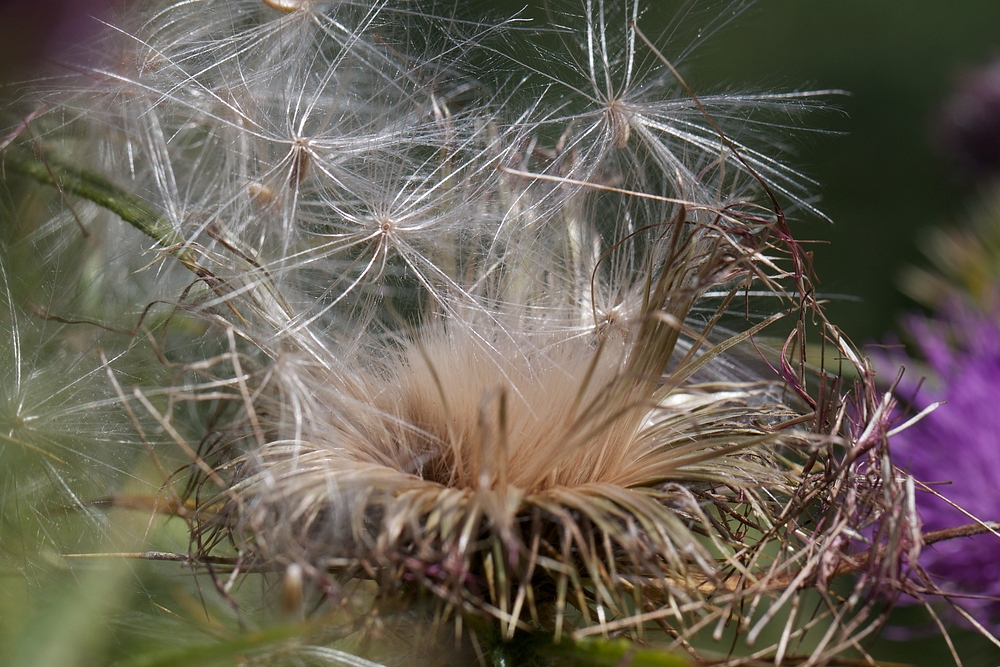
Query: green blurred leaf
[615, 653]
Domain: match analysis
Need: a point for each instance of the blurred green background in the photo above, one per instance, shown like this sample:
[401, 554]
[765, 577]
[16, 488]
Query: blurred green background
[883, 182]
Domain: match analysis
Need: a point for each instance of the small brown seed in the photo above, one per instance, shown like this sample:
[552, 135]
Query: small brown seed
[286, 6]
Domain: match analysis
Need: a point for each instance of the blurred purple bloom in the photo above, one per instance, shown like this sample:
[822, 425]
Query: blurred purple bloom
[970, 124]
[956, 448]
[35, 30]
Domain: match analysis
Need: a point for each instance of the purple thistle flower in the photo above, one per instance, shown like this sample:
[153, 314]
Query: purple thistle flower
[956, 448]
[31, 32]
[969, 129]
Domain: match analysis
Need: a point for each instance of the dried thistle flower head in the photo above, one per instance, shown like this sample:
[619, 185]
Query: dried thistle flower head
[445, 326]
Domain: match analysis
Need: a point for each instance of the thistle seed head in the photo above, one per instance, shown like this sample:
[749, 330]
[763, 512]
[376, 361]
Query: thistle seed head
[449, 326]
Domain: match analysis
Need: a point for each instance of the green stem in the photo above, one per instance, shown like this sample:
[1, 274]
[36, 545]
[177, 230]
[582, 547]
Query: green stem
[92, 186]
